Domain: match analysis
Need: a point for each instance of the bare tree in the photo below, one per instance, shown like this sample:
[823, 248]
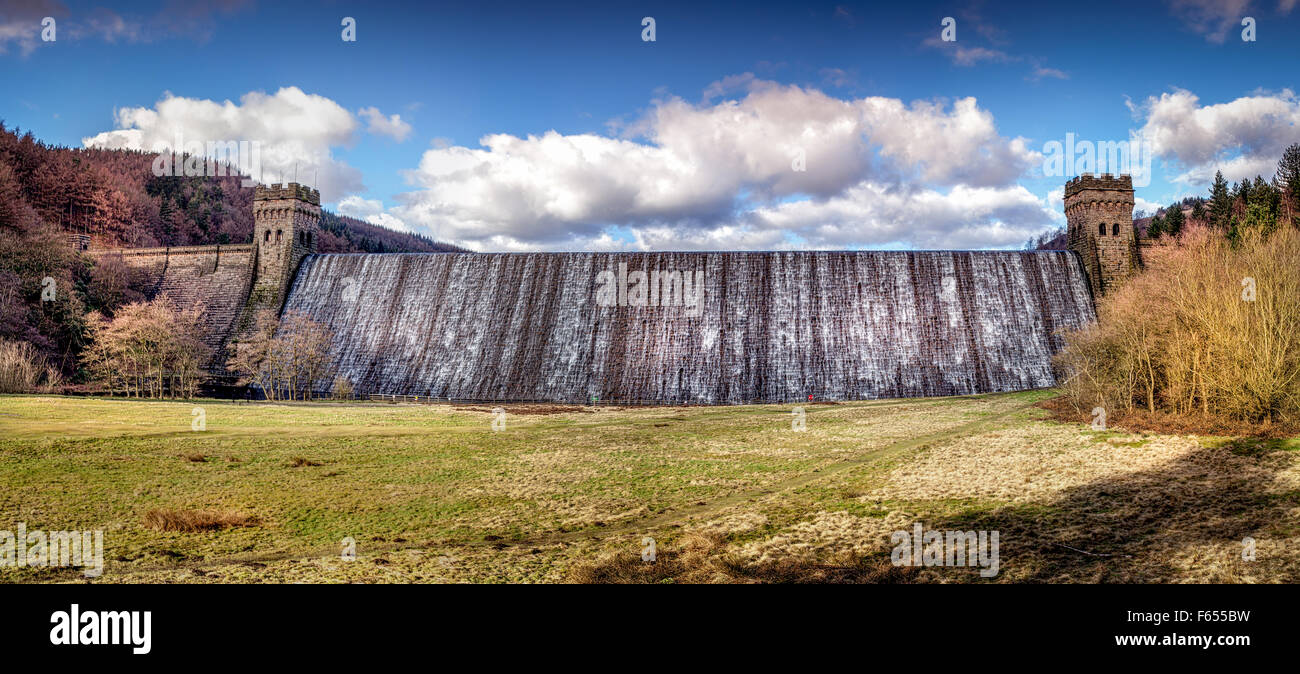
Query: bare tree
[147, 350]
[285, 358]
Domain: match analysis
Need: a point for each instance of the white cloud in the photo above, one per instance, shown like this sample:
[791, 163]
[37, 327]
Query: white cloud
[694, 171]
[295, 130]
[871, 214]
[1244, 137]
[867, 215]
[358, 207]
[392, 126]
[1140, 204]
[371, 211]
[1040, 72]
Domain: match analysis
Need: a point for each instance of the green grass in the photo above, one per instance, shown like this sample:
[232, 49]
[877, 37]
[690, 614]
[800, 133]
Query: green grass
[432, 493]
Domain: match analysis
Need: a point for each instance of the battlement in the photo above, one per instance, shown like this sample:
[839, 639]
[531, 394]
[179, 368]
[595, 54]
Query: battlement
[286, 191]
[1106, 181]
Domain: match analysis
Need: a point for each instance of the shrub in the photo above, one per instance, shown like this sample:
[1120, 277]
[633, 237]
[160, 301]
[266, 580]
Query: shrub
[24, 370]
[1209, 328]
[196, 520]
[342, 388]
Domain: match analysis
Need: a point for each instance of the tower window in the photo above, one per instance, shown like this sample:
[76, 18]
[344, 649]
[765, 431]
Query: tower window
[277, 235]
[267, 236]
[1101, 229]
[1114, 229]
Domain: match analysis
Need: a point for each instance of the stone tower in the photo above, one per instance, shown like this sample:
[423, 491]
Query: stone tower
[1100, 216]
[286, 224]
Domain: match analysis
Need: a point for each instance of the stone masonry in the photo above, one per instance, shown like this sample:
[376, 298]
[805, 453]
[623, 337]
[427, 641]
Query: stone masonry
[230, 283]
[1099, 211]
[286, 224]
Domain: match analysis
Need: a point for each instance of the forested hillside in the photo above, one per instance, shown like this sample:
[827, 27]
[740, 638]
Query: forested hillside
[48, 192]
[114, 196]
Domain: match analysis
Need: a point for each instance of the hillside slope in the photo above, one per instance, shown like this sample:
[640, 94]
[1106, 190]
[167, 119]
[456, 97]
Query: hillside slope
[113, 196]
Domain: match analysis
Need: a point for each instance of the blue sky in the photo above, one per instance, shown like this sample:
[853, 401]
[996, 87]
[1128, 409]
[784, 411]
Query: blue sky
[638, 154]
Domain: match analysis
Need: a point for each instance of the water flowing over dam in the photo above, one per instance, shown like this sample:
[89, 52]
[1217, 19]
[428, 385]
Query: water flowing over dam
[696, 327]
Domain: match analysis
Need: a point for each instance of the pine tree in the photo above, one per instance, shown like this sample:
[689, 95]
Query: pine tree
[1287, 181]
[1156, 228]
[1220, 202]
[1261, 208]
[1198, 211]
[1174, 219]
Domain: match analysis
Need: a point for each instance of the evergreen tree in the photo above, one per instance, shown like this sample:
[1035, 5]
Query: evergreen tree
[1242, 191]
[1174, 219]
[1156, 228]
[1287, 181]
[1198, 211]
[1261, 208]
[1220, 202]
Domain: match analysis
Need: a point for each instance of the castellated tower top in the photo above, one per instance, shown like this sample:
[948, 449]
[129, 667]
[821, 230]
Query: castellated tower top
[1099, 211]
[289, 191]
[1121, 183]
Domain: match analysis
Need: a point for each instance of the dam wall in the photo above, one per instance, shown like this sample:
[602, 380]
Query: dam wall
[715, 328]
[213, 279]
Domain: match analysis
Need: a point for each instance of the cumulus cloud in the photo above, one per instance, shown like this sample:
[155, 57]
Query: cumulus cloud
[870, 214]
[1140, 204]
[867, 215]
[391, 126]
[371, 211]
[295, 131]
[1243, 137]
[687, 174]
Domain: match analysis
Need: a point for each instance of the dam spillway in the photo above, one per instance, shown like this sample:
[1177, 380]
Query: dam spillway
[766, 327]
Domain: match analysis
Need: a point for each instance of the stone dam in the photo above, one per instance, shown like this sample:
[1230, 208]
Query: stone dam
[659, 328]
[699, 328]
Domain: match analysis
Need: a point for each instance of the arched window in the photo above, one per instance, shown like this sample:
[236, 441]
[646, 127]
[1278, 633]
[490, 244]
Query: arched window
[277, 235]
[1114, 229]
[1101, 229]
[267, 237]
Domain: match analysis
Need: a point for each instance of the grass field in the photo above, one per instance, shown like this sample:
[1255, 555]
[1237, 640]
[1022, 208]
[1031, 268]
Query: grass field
[431, 493]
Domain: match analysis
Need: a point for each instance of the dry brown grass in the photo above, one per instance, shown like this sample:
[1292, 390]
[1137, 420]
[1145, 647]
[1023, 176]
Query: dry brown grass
[701, 557]
[163, 519]
[1140, 420]
[195, 458]
[530, 410]
[1164, 508]
[300, 462]
[22, 369]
